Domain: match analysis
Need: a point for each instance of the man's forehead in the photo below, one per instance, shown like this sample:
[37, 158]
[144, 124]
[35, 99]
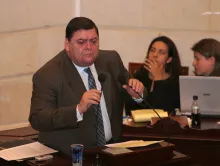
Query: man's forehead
[85, 34]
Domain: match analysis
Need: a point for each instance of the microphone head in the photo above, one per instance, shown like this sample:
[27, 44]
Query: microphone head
[102, 78]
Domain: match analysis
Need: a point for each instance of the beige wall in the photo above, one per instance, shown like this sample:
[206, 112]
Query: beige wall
[129, 26]
[33, 31]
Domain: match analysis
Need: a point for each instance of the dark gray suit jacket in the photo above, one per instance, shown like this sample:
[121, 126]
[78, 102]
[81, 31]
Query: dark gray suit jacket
[58, 88]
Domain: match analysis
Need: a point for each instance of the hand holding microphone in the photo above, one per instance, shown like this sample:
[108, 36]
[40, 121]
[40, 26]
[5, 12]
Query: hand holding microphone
[125, 85]
[92, 96]
[89, 98]
[134, 87]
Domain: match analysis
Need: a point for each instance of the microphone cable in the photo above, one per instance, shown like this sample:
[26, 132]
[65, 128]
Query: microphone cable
[122, 81]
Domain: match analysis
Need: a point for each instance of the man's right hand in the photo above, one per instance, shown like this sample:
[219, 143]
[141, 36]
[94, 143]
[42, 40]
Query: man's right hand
[90, 97]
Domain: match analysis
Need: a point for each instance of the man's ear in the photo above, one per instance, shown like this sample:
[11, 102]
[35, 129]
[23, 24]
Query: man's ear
[66, 45]
[169, 60]
[212, 60]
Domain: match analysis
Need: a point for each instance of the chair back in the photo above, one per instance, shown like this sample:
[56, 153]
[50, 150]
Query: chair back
[135, 66]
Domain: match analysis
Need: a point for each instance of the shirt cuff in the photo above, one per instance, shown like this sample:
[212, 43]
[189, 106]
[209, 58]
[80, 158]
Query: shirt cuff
[140, 100]
[78, 116]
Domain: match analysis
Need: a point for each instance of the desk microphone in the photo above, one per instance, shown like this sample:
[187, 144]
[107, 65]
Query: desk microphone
[122, 81]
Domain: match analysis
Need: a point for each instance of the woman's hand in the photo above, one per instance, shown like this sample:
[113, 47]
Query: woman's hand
[156, 71]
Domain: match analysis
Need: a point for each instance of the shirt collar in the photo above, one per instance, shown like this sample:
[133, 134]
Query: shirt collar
[81, 69]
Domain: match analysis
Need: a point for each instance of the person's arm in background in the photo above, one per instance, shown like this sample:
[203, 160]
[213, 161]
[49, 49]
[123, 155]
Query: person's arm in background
[133, 86]
[131, 104]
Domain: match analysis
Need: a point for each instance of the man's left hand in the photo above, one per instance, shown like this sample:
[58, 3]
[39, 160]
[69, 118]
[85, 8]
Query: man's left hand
[135, 86]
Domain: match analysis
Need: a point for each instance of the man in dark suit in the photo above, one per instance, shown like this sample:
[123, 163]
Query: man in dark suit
[63, 105]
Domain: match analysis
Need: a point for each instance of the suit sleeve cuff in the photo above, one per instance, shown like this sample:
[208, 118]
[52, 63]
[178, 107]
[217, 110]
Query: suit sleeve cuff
[78, 115]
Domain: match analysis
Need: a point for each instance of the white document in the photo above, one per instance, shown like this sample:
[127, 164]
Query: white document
[133, 143]
[25, 151]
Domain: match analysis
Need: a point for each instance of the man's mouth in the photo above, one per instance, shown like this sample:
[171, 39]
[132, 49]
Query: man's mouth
[88, 54]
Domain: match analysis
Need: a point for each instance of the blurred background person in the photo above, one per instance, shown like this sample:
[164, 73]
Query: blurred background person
[160, 75]
[206, 57]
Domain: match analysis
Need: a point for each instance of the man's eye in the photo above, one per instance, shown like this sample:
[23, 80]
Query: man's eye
[80, 42]
[94, 41]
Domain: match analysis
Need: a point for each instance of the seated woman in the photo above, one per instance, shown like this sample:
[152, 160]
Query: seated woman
[160, 76]
[206, 57]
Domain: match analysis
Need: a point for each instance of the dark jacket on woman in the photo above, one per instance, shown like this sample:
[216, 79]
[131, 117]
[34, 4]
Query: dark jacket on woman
[165, 94]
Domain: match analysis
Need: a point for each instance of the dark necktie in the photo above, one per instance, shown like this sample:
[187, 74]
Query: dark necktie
[100, 134]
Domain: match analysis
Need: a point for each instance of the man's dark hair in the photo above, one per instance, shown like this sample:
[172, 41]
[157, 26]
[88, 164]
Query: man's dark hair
[209, 48]
[79, 23]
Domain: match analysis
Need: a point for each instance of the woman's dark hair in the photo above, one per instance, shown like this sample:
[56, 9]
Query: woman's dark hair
[209, 48]
[79, 23]
[173, 68]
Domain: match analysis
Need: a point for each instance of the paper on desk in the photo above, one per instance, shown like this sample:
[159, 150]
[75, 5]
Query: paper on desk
[144, 115]
[133, 143]
[25, 151]
[115, 151]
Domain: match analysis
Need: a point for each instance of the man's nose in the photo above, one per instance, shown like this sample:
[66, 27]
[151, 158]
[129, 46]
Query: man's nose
[88, 45]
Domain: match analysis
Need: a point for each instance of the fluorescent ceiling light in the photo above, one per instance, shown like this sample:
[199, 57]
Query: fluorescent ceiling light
[211, 13]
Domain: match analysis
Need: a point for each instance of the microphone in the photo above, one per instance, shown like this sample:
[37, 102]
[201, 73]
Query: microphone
[123, 81]
[102, 78]
[165, 123]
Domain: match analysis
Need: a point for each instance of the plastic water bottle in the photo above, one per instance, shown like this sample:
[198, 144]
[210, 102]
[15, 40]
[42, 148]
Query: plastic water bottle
[195, 112]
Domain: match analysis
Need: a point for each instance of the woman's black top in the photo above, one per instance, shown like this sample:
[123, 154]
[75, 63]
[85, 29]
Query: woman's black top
[165, 94]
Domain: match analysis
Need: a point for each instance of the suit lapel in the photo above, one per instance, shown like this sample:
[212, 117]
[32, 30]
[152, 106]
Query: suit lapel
[73, 78]
[77, 86]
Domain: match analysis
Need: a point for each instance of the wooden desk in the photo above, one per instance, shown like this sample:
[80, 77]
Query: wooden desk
[64, 160]
[203, 146]
[19, 133]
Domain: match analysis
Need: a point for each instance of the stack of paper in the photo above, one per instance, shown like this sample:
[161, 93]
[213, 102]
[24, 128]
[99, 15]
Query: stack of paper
[133, 143]
[25, 151]
[144, 115]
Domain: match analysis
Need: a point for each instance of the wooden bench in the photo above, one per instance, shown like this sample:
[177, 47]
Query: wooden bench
[134, 66]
